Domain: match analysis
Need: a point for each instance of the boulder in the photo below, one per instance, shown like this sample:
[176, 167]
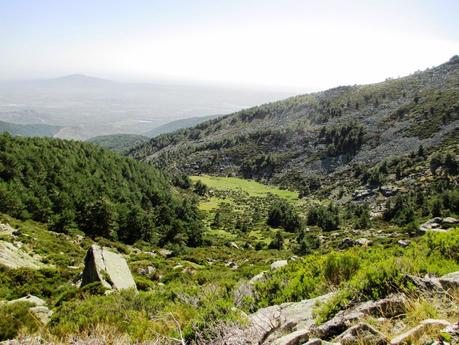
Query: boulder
[36, 301]
[108, 268]
[42, 313]
[13, 257]
[415, 333]
[165, 253]
[278, 264]
[450, 280]
[362, 333]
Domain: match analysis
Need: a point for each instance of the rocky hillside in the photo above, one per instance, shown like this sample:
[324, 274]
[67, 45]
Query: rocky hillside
[321, 133]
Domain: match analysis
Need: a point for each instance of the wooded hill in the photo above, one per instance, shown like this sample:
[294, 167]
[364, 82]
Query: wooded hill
[70, 184]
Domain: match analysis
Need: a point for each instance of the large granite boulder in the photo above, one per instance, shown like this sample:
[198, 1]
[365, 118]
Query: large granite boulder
[108, 268]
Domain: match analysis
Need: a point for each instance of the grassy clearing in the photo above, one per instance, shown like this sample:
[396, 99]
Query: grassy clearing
[251, 187]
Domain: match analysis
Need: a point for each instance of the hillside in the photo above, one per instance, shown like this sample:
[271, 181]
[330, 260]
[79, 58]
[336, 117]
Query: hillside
[74, 185]
[322, 134]
[29, 130]
[178, 124]
[121, 143]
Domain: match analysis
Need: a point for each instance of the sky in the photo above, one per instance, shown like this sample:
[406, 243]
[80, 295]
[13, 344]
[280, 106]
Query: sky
[279, 44]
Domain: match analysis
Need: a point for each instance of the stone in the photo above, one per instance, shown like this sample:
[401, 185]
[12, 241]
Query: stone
[415, 333]
[232, 265]
[362, 333]
[6, 229]
[347, 243]
[388, 191]
[234, 245]
[36, 301]
[42, 313]
[165, 252]
[449, 221]
[278, 264]
[294, 338]
[363, 242]
[108, 268]
[314, 341]
[450, 280]
[260, 277]
[403, 244]
[388, 307]
[14, 258]
[147, 271]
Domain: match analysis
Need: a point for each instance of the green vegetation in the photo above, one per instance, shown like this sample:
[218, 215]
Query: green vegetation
[77, 185]
[121, 143]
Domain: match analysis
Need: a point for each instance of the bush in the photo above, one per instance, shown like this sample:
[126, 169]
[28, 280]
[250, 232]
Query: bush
[16, 317]
[282, 214]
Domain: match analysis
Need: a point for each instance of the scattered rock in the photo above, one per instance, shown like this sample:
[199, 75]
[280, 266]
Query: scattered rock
[438, 224]
[260, 277]
[363, 242]
[347, 243]
[234, 245]
[42, 313]
[362, 194]
[12, 257]
[450, 280]
[232, 265]
[147, 271]
[362, 333]
[388, 307]
[403, 244]
[36, 301]
[6, 229]
[108, 268]
[449, 221]
[415, 333]
[278, 264]
[165, 252]
[388, 191]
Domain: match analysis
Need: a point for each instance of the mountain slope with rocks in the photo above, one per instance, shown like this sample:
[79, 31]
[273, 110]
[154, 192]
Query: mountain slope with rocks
[319, 134]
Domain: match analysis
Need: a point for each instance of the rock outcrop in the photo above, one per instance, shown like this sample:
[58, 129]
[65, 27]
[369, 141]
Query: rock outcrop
[108, 268]
[13, 257]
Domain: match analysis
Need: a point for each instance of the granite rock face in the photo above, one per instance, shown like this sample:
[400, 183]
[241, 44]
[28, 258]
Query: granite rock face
[108, 268]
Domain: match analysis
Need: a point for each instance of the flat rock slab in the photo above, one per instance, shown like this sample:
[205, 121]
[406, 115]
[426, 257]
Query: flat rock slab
[12, 257]
[36, 301]
[413, 334]
[108, 268]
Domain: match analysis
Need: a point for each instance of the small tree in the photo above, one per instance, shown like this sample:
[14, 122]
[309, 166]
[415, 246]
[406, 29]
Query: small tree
[277, 242]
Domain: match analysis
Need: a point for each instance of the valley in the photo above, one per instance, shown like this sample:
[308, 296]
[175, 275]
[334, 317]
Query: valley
[326, 218]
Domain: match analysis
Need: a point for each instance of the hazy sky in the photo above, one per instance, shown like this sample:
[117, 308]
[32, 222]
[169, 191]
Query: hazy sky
[277, 43]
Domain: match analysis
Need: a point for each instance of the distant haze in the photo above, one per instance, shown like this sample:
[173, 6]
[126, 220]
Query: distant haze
[86, 106]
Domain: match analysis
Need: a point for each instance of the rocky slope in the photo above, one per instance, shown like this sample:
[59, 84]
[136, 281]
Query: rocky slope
[321, 133]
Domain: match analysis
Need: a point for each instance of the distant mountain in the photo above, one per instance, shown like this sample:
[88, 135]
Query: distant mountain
[178, 124]
[29, 130]
[120, 143]
[319, 134]
[89, 107]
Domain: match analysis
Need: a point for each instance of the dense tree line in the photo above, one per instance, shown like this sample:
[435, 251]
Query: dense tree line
[343, 139]
[282, 215]
[72, 184]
